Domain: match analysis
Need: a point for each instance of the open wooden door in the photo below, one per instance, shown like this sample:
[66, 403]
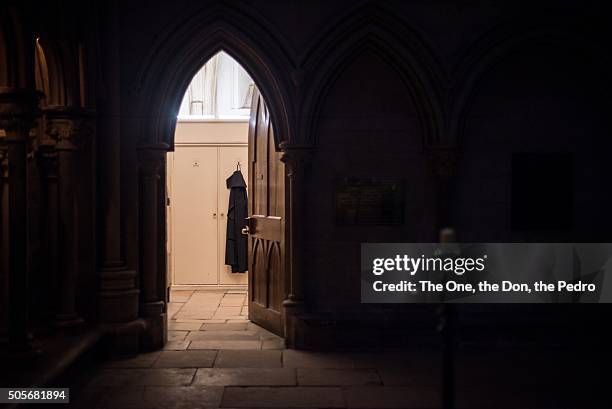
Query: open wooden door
[266, 188]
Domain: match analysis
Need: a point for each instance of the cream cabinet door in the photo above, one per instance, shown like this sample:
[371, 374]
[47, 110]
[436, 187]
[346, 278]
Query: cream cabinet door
[196, 218]
[229, 156]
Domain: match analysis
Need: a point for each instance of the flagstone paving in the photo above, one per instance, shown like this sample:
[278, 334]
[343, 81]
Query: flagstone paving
[233, 363]
[216, 358]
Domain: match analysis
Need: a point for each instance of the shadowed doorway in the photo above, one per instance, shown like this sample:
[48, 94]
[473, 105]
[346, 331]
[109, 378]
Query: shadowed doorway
[224, 132]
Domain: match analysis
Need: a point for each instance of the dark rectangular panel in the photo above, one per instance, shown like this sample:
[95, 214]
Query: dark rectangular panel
[370, 201]
[542, 191]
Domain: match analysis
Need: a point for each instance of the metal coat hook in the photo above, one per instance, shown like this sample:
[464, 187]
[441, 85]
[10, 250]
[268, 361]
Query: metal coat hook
[238, 165]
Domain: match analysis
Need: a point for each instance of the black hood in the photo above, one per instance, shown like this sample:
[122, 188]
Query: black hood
[236, 180]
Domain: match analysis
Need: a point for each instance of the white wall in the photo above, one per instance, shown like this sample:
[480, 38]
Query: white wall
[220, 132]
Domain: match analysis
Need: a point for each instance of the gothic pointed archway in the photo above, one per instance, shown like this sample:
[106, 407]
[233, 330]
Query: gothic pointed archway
[159, 93]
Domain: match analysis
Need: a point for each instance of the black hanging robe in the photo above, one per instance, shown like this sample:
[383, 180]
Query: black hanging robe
[236, 242]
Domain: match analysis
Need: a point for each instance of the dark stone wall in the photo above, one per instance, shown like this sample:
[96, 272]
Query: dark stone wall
[545, 100]
[373, 87]
[374, 84]
[369, 127]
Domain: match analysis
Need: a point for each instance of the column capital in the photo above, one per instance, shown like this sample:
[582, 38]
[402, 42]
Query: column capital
[3, 150]
[442, 160]
[296, 158]
[18, 112]
[151, 158]
[3, 158]
[67, 128]
[153, 150]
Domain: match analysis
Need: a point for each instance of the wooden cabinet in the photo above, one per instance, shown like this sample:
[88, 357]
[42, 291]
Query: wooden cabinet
[198, 211]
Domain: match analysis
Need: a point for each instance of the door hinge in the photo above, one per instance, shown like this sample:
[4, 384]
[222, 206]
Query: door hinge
[167, 201]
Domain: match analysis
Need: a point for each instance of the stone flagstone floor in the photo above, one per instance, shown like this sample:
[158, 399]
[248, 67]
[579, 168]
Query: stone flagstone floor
[215, 320]
[216, 358]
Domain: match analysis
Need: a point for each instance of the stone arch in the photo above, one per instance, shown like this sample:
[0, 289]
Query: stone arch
[41, 72]
[16, 60]
[4, 51]
[58, 63]
[158, 90]
[186, 47]
[496, 45]
[373, 28]
[49, 78]
[517, 93]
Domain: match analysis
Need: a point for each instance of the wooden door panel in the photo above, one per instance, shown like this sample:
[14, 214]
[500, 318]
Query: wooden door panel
[265, 234]
[266, 227]
[276, 184]
[275, 294]
[258, 262]
[266, 222]
[260, 162]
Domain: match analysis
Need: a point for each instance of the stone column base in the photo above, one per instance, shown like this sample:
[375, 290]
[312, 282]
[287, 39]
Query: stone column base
[293, 307]
[21, 355]
[67, 320]
[155, 333]
[124, 339]
[118, 296]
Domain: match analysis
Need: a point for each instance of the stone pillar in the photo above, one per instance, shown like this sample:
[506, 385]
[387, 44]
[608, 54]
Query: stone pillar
[67, 127]
[48, 167]
[152, 278]
[442, 159]
[18, 111]
[118, 285]
[4, 248]
[118, 301]
[297, 159]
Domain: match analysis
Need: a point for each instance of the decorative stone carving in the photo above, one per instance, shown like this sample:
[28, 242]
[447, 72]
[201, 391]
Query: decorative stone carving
[3, 160]
[18, 111]
[296, 158]
[65, 129]
[68, 128]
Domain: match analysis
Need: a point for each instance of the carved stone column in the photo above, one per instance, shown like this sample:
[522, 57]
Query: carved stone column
[67, 127]
[297, 159]
[152, 278]
[442, 160]
[18, 112]
[4, 222]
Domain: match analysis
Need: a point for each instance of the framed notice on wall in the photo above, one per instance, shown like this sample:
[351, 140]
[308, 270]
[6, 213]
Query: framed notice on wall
[369, 201]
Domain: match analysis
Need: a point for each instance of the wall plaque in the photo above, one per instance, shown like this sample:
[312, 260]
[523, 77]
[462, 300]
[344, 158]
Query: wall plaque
[370, 201]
